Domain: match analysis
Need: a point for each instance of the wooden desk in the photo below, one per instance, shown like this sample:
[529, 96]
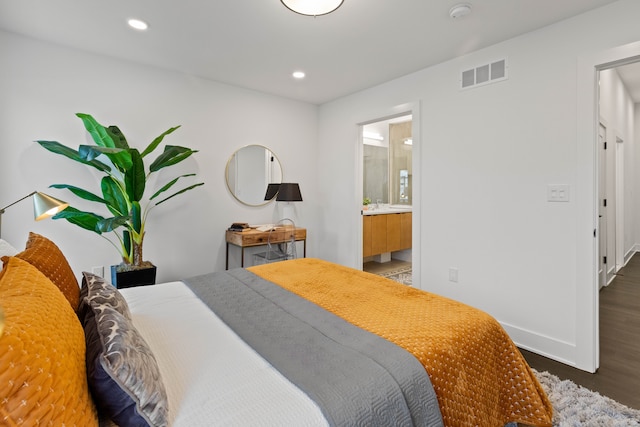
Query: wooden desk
[253, 237]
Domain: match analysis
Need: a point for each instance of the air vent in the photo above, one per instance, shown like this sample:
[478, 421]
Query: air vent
[484, 74]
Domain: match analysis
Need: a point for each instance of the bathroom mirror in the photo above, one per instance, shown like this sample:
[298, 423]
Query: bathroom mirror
[249, 170]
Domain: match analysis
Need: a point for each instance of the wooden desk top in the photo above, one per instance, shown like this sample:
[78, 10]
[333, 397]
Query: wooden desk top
[254, 237]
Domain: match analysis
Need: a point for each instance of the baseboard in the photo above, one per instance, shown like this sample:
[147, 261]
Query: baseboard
[611, 274]
[404, 255]
[551, 348]
[631, 252]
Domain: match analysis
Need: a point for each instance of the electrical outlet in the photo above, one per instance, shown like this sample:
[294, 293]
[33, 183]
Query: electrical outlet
[453, 275]
[98, 271]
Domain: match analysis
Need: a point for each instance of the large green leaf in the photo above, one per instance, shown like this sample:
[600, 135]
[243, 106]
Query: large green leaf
[86, 220]
[169, 185]
[57, 148]
[84, 194]
[180, 192]
[120, 157]
[118, 137]
[106, 225]
[136, 217]
[134, 177]
[157, 141]
[127, 246]
[98, 132]
[114, 194]
[172, 154]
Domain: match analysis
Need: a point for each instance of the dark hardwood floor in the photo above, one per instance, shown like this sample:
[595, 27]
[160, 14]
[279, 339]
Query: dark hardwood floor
[619, 374]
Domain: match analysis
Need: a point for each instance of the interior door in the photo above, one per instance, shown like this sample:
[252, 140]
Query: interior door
[602, 205]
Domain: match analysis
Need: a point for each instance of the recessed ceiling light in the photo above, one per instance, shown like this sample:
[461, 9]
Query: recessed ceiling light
[137, 24]
[298, 75]
[460, 10]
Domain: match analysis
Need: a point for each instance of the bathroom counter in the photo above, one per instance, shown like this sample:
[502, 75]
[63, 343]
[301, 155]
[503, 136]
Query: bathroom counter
[387, 210]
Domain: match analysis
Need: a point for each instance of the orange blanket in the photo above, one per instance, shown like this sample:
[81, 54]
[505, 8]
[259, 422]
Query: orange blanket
[479, 375]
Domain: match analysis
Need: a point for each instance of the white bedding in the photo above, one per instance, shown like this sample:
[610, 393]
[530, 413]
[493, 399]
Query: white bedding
[212, 377]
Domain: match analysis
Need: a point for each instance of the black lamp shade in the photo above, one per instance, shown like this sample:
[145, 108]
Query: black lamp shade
[272, 190]
[289, 192]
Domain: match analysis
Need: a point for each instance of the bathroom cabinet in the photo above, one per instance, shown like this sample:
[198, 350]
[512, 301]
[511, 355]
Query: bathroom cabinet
[385, 233]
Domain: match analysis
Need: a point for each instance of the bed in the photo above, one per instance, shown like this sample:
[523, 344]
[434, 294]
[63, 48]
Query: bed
[302, 342]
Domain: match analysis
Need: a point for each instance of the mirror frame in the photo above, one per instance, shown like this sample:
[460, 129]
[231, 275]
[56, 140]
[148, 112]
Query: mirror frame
[227, 172]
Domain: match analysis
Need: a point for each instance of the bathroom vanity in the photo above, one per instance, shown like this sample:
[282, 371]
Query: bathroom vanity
[386, 230]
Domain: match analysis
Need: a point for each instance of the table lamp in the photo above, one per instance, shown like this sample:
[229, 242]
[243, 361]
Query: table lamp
[44, 206]
[289, 192]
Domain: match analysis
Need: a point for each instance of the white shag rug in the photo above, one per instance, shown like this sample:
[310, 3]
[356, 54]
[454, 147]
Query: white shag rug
[574, 405]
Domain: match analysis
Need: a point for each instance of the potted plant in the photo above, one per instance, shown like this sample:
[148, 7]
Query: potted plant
[365, 203]
[123, 188]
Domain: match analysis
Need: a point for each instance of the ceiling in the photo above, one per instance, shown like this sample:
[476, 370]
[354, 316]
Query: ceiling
[257, 44]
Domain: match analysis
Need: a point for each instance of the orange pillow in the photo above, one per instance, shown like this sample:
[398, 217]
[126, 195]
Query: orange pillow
[42, 353]
[44, 255]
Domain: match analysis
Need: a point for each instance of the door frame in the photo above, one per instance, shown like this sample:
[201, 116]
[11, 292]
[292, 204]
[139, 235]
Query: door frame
[620, 184]
[587, 346]
[603, 216]
[413, 108]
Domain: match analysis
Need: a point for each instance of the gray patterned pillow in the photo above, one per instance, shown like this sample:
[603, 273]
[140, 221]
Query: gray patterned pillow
[123, 373]
[97, 290]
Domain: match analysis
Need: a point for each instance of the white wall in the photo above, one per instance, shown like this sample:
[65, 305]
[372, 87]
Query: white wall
[487, 157]
[43, 86]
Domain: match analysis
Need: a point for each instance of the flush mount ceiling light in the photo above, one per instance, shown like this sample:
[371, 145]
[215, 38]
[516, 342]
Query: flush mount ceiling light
[298, 75]
[460, 10]
[137, 24]
[312, 7]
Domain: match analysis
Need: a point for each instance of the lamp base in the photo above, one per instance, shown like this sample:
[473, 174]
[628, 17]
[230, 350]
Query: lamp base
[288, 211]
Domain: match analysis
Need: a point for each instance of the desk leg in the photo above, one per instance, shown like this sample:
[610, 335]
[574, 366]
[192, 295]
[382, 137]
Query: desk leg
[226, 262]
[242, 257]
[305, 249]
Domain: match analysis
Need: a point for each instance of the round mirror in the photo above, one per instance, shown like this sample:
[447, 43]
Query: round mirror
[249, 172]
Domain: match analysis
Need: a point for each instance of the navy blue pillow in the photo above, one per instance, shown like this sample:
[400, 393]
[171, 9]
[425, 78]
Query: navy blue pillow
[122, 372]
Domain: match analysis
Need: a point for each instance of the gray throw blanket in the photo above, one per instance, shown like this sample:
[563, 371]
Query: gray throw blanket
[355, 377]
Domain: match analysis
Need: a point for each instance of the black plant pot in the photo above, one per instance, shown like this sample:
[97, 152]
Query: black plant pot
[128, 279]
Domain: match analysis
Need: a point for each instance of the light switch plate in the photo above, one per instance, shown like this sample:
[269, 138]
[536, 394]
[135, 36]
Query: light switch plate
[558, 193]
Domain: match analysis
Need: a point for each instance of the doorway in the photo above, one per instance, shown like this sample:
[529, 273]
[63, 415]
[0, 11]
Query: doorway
[616, 107]
[388, 191]
[587, 351]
